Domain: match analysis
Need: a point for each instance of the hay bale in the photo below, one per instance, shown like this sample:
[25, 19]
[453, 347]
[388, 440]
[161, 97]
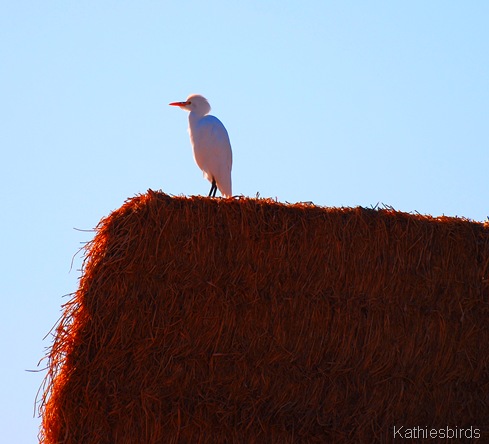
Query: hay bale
[245, 320]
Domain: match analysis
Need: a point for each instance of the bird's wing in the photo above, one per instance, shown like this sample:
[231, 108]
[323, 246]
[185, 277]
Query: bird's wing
[214, 129]
[215, 138]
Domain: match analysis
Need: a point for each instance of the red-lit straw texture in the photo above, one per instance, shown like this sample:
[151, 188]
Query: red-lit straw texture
[204, 320]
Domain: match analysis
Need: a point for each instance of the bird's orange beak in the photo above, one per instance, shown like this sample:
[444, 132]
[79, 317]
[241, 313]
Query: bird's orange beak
[178, 104]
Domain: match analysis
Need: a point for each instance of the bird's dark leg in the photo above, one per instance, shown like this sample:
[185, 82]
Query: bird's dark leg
[212, 192]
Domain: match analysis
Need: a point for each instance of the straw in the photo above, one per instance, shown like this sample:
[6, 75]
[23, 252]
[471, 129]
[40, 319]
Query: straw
[204, 320]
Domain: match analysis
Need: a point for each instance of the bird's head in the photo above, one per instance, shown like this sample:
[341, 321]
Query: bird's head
[194, 103]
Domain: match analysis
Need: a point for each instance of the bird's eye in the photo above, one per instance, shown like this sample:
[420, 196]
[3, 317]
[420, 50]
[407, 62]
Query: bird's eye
[189, 102]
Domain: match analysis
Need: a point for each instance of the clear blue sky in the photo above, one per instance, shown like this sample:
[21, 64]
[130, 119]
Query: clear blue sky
[342, 103]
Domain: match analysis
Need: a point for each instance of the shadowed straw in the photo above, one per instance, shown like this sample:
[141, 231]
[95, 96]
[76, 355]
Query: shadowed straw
[247, 320]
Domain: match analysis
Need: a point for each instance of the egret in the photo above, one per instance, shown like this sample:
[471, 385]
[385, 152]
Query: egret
[210, 143]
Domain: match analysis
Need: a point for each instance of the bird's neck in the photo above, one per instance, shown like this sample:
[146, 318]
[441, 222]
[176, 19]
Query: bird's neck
[193, 122]
[194, 117]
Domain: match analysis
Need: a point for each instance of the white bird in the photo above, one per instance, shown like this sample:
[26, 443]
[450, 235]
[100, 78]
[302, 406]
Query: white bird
[210, 143]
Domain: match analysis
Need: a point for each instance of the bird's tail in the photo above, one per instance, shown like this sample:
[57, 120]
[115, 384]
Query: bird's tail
[225, 186]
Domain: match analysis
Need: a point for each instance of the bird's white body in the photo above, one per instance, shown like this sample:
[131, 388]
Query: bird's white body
[210, 143]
